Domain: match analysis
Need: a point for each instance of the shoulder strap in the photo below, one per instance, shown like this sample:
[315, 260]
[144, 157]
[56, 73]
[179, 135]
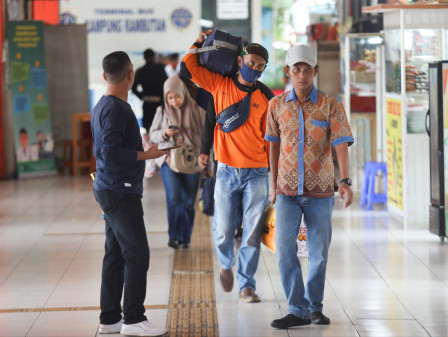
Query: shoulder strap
[216, 45]
[233, 106]
[265, 90]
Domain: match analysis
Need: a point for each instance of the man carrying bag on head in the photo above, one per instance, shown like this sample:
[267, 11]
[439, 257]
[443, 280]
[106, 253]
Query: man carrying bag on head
[241, 189]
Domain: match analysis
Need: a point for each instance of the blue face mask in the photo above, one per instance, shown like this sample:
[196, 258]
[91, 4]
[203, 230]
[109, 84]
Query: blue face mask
[249, 75]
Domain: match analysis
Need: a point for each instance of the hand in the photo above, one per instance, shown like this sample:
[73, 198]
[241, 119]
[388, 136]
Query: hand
[344, 189]
[203, 159]
[152, 153]
[170, 132]
[272, 196]
[201, 37]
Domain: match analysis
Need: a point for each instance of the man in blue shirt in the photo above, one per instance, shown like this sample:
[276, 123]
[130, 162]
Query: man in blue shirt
[118, 188]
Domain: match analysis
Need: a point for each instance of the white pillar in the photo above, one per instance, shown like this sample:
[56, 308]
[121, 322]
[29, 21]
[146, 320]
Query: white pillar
[256, 14]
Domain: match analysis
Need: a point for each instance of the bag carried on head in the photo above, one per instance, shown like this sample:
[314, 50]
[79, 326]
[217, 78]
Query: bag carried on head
[219, 52]
[184, 159]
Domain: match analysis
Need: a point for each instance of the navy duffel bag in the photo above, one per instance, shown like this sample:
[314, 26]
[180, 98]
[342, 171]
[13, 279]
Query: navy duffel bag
[219, 52]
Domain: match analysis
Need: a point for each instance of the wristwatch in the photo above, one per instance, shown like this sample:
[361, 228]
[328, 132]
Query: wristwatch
[348, 181]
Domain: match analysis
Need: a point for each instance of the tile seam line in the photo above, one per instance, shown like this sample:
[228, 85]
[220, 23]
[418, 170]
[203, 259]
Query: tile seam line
[272, 284]
[379, 274]
[418, 258]
[342, 307]
[81, 308]
[65, 271]
[37, 241]
[40, 238]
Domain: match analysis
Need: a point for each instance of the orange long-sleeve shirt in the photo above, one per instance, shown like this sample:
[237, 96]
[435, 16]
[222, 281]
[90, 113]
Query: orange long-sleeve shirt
[244, 147]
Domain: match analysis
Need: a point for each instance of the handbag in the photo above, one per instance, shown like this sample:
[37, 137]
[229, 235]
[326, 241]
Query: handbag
[184, 159]
[206, 195]
[268, 233]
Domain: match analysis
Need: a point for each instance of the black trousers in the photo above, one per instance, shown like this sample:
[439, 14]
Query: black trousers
[126, 258]
[149, 111]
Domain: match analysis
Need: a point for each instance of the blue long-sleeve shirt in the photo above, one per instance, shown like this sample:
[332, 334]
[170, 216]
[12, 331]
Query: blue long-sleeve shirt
[116, 140]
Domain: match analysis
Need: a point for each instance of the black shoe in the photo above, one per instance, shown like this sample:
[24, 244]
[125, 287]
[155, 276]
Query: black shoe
[183, 244]
[290, 321]
[318, 317]
[173, 244]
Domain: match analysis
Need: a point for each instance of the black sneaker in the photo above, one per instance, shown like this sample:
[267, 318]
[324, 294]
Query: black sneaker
[319, 318]
[183, 244]
[290, 321]
[173, 244]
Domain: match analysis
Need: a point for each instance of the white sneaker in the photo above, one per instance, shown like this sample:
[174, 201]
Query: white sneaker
[142, 329]
[111, 328]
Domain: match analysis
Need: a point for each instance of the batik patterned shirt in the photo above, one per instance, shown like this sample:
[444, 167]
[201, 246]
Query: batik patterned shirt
[305, 133]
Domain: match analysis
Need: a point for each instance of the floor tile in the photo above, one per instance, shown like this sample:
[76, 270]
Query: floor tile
[383, 278]
[16, 324]
[65, 324]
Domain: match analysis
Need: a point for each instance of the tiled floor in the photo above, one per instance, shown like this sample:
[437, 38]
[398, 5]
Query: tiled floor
[382, 280]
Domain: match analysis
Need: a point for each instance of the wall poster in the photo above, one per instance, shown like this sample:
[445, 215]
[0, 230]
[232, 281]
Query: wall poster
[31, 111]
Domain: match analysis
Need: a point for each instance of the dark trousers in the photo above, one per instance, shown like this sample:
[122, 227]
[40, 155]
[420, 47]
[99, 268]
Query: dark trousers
[126, 258]
[180, 190]
[149, 111]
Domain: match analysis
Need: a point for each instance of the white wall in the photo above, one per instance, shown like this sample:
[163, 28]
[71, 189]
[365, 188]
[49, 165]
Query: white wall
[133, 26]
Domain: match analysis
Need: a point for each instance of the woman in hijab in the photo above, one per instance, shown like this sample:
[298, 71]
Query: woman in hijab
[182, 118]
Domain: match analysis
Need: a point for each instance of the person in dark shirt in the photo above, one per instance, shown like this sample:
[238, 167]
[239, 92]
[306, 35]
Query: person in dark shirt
[171, 67]
[151, 78]
[201, 96]
[118, 188]
[207, 136]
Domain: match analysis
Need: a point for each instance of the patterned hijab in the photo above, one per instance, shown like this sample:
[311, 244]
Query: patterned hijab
[189, 118]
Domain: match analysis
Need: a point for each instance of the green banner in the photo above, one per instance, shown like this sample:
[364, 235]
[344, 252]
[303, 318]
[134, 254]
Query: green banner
[31, 111]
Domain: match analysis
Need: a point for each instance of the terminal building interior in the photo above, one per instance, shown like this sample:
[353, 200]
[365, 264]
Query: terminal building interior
[385, 61]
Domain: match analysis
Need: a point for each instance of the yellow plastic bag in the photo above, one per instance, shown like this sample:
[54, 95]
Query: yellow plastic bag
[268, 234]
[302, 251]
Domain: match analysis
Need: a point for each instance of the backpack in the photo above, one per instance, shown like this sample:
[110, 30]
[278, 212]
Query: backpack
[219, 52]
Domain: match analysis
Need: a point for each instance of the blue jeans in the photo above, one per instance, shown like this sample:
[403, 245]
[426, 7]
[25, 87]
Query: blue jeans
[180, 190]
[317, 216]
[240, 197]
[126, 258]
